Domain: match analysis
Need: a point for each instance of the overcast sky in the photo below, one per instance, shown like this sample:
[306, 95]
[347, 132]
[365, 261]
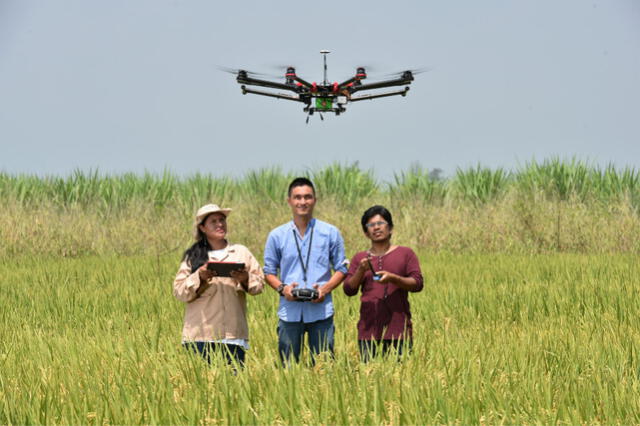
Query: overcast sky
[132, 85]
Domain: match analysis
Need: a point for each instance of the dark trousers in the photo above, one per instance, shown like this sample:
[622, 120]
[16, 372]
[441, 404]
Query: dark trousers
[234, 354]
[291, 336]
[371, 348]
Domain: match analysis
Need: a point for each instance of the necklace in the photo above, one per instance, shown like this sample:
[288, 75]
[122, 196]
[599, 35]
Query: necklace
[379, 257]
[371, 253]
[380, 268]
[305, 267]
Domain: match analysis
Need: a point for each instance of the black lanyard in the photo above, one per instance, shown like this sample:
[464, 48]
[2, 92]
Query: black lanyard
[305, 268]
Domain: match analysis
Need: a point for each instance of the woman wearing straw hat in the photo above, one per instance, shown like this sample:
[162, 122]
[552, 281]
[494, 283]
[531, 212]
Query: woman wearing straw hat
[215, 317]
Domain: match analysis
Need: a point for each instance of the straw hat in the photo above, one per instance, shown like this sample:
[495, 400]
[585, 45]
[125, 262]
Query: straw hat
[203, 212]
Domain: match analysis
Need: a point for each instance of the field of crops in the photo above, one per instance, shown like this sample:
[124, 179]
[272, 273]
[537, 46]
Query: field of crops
[528, 313]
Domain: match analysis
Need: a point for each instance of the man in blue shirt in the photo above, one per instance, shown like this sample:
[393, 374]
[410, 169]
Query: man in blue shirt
[304, 251]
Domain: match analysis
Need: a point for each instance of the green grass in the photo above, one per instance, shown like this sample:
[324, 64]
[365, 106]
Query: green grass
[528, 313]
[417, 183]
[553, 178]
[498, 338]
[480, 185]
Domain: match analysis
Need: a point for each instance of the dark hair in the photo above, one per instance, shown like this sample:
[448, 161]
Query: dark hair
[198, 254]
[373, 211]
[301, 181]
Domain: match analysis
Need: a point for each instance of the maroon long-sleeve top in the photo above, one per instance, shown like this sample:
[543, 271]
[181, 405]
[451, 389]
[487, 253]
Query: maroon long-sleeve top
[385, 315]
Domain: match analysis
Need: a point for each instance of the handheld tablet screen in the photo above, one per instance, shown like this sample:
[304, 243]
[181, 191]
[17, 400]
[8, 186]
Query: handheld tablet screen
[223, 269]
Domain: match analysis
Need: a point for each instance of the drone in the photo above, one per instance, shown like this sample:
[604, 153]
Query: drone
[326, 97]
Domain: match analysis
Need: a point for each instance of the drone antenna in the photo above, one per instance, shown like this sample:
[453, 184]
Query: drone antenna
[324, 53]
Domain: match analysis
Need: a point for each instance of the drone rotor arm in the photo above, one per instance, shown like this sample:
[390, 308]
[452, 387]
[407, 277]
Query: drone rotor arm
[273, 95]
[380, 95]
[303, 82]
[346, 83]
[265, 83]
[385, 83]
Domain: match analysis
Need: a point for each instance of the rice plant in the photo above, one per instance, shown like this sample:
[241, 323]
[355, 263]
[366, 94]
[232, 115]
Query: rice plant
[498, 339]
[507, 330]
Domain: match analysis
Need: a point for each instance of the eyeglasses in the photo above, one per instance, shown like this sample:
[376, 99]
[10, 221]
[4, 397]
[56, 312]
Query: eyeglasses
[374, 224]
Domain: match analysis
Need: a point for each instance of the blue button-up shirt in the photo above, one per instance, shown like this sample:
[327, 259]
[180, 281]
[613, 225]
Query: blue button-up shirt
[281, 255]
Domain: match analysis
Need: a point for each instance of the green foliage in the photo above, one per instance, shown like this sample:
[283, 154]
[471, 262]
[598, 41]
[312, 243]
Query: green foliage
[543, 207]
[514, 339]
[345, 183]
[89, 331]
[201, 189]
[611, 184]
[555, 179]
[564, 180]
[265, 184]
[480, 185]
[418, 182]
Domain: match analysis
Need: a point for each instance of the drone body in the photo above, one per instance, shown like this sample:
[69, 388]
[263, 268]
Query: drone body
[326, 97]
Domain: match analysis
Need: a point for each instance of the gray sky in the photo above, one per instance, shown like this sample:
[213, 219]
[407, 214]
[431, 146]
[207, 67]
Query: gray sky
[132, 85]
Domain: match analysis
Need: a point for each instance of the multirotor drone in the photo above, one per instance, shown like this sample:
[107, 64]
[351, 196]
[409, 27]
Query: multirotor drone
[326, 97]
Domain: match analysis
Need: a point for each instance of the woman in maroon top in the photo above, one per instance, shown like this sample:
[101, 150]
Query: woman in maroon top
[385, 274]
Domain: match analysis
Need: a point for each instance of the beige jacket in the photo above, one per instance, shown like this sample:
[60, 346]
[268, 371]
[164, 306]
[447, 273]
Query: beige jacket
[218, 309]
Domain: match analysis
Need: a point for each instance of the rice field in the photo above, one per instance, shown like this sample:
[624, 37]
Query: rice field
[528, 313]
[498, 338]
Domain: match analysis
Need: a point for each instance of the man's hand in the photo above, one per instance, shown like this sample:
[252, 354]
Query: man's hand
[321, 293]
[286, 292]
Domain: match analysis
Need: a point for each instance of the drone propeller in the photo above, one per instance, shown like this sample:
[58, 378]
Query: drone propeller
[368, 67]
[235, 71]
[414, 71]
[279, 67]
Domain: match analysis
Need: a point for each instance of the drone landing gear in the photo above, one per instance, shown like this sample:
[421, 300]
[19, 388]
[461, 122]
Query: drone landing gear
[310, 113]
